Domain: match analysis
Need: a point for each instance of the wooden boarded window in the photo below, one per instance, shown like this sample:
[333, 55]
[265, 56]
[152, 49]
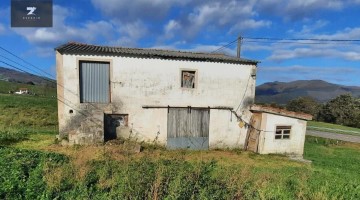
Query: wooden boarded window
[282, 132]
[188, 79]
[188, 128]
[94, 82]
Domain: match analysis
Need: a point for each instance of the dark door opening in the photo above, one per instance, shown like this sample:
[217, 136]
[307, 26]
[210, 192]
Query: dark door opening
[111, 123]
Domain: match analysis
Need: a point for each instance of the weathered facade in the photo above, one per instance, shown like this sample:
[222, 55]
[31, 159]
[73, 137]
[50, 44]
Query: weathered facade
[178, 99]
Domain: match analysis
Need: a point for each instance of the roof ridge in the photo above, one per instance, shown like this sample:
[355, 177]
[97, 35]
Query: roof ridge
[142, 48]
[82, 48]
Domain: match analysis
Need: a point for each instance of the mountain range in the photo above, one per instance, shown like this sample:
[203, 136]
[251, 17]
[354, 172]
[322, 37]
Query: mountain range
[11, 75]
[271, 92]
[283, 92]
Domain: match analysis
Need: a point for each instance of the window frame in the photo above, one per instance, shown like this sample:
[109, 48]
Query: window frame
[182, 70]
[78, 68]
[282, 129]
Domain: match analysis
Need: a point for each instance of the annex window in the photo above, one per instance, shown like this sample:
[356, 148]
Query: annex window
[282, 132]
[188, 79]
[94, 82]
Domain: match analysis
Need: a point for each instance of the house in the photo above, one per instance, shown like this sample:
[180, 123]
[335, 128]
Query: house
[174, 98]
[22, 91]
[276, 131]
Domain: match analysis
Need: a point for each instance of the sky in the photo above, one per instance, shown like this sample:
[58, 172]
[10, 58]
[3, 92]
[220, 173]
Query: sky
[205, 26]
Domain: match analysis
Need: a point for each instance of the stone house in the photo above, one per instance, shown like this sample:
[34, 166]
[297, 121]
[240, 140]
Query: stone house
[174, 98]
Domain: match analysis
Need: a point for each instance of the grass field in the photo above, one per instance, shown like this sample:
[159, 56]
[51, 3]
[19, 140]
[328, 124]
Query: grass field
[334, 128]
[42, 90]
[33, 166]
[43, 170]
[27, 111]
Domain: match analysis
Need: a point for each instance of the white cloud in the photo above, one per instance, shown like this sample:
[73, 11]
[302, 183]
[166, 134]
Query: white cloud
[171, 28]
[335, 74]
[286, 54]
[48, 38]
[346, 34]
[349, 51]
[133, 10]
[247, 24]
[135, 30]
[2, 29]
[298, 10]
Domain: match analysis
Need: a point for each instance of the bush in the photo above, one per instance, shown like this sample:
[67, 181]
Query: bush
[12, 136]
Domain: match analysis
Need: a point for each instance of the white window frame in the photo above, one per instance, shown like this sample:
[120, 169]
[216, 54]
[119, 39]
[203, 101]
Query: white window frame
[282, 130]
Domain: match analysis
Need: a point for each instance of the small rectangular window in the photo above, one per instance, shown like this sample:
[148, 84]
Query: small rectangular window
[282, 132]
[188, 79]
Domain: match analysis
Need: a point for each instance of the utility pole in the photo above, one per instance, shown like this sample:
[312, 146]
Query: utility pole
[239, 41]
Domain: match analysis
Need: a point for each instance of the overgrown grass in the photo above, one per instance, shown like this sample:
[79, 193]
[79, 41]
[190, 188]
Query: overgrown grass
[12, 136]
[36, 114]
[28, 124]
[41, 90]
[22, 171]
[160, 174]
[334, 128]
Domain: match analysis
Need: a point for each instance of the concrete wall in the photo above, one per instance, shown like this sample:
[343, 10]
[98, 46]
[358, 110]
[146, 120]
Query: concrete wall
[136, 82]
[268, 143]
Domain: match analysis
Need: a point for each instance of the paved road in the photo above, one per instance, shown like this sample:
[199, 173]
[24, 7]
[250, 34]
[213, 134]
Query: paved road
[335, 136]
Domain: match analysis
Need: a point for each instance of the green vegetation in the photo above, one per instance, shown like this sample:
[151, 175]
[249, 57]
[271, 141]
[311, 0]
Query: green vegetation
[304, 104]
[32, 166]
[334, 128]
[28, 112]
[22, 171]
[104, 173]
[41, 90]
[342, 110]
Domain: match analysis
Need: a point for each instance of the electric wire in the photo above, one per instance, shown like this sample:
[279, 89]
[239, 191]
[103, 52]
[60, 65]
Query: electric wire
[224, 46]
[63, 101]
[9, 52]
[303, 39]
[46, 79]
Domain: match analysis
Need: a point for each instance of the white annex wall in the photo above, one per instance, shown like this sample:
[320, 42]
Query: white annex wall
[268, 143]
[137, 82]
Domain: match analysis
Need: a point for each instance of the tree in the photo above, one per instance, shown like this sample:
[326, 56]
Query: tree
[304, 104]
[344, 110]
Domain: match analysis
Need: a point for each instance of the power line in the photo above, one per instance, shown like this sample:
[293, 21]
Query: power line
[270, 42]
[63, 101]
[227, 45]
[2, 48]
[46, 79]
[35, 73]
[303, 39]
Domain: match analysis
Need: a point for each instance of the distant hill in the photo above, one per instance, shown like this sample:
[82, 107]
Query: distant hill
[283, 92]
[11, 75]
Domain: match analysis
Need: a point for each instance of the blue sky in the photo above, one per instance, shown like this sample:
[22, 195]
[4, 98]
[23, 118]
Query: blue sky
[206, 25]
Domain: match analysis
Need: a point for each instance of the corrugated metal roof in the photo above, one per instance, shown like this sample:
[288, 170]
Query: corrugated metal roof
[282, 112]
[87, 49]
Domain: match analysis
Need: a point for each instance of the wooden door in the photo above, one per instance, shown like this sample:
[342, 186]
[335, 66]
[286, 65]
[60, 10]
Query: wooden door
[188, 128]
[252, 139]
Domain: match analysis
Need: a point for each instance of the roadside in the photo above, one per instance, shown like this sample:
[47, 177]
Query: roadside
[332, 128]
[335, 136]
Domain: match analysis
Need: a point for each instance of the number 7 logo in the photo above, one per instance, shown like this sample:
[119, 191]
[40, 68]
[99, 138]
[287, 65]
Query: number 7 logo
[31, 10]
